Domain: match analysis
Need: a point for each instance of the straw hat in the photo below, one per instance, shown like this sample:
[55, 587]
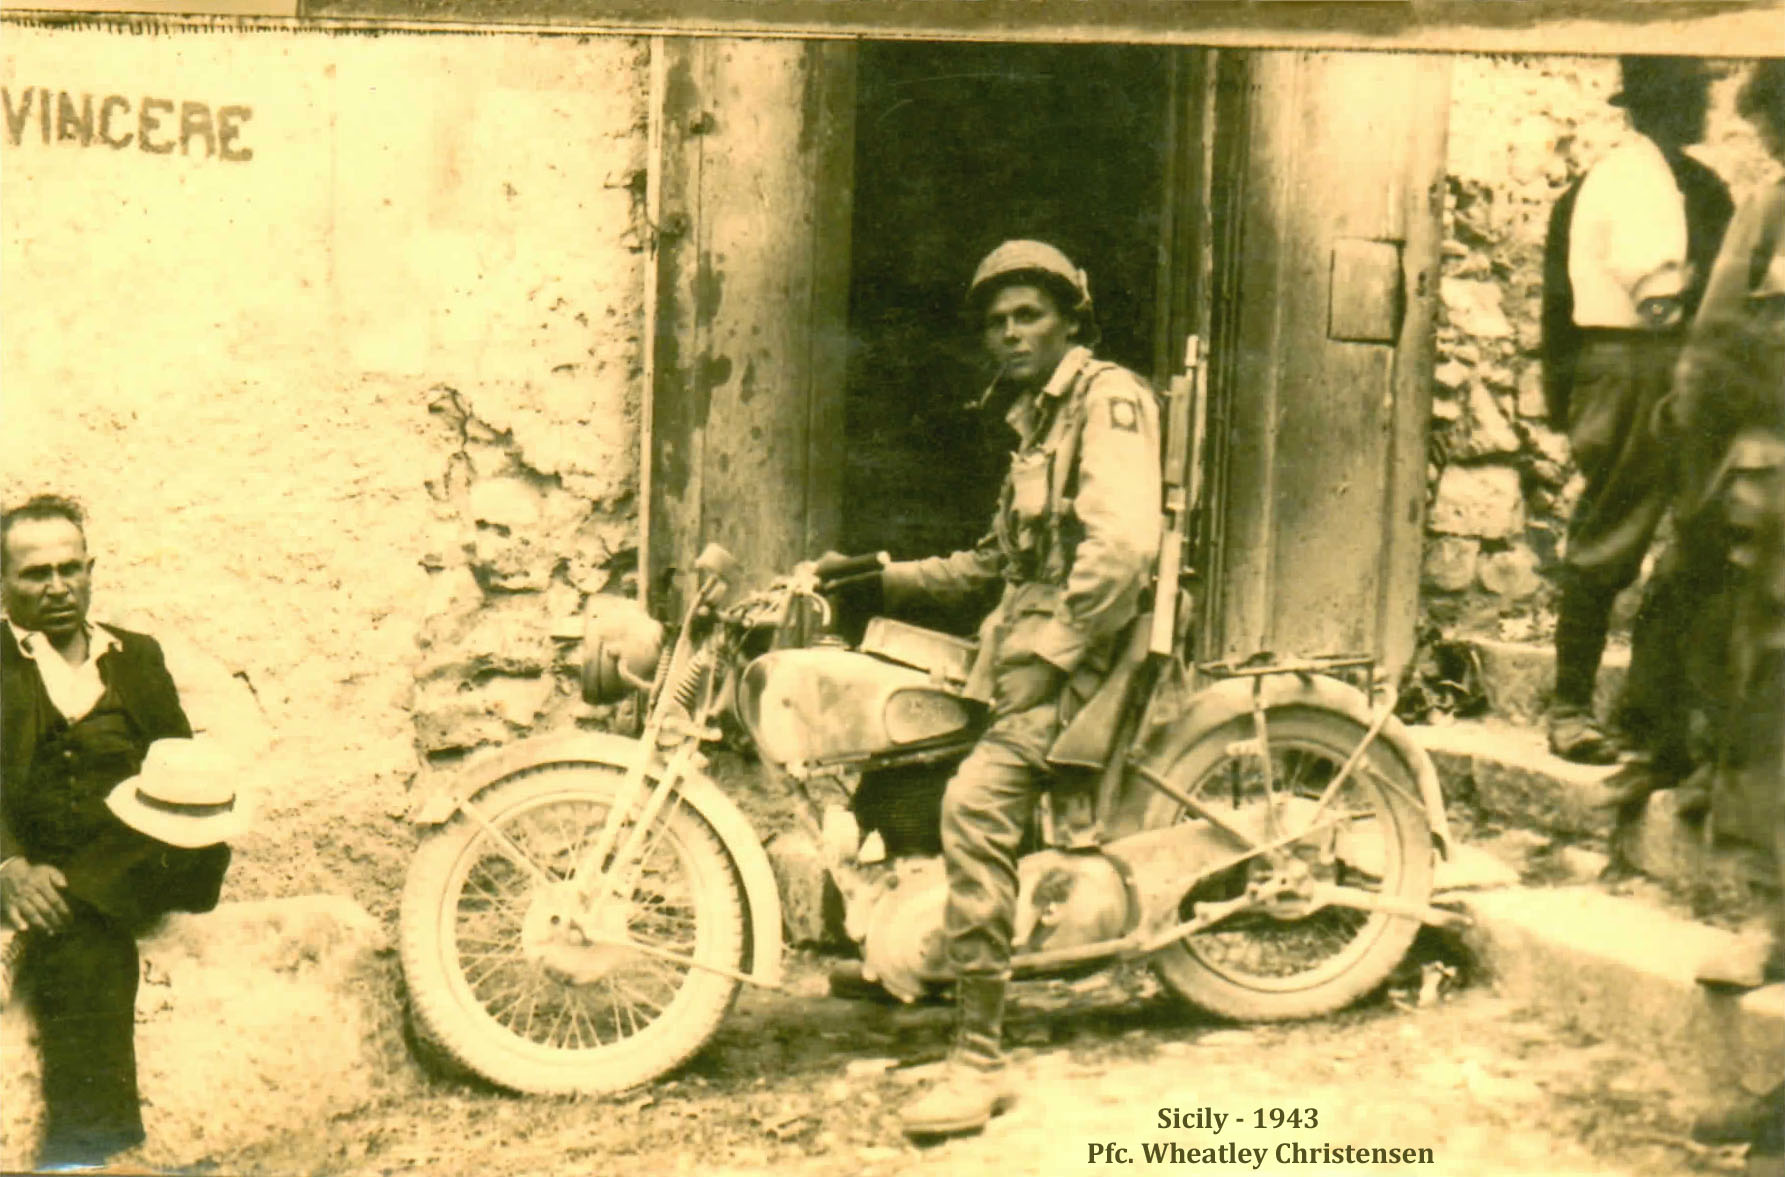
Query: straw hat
[185, 795]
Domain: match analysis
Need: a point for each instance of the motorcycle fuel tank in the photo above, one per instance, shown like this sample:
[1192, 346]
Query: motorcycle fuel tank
[818, 705]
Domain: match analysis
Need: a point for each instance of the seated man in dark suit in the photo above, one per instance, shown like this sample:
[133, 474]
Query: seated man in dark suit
[82, 706]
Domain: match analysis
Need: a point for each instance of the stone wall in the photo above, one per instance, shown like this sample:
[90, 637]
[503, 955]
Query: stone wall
[358, 412]
[1521, 130]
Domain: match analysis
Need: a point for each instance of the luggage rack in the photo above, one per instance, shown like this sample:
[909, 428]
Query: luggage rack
[1259, 665]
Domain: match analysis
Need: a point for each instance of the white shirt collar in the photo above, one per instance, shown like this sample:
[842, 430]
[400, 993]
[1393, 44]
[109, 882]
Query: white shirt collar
[33, 642]
[73, 690]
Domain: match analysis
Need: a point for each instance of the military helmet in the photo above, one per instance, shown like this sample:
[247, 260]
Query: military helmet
[1018, 259]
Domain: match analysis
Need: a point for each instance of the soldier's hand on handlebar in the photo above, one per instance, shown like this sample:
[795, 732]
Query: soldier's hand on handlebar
[1027, 683]
[854, 586]
[835, 567]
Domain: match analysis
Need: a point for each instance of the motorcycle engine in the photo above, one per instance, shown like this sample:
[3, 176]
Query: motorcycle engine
[906, 949]
[905, 805]
[1066, 899]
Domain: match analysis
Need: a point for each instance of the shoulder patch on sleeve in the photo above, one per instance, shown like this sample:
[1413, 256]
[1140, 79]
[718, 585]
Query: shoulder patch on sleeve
[1124, 414]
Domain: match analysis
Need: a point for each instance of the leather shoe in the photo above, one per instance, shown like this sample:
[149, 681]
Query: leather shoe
[1576, 736]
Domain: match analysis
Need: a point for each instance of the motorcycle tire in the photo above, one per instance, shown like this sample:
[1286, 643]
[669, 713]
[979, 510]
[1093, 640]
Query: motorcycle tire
[1260, 966]
[617, 1018]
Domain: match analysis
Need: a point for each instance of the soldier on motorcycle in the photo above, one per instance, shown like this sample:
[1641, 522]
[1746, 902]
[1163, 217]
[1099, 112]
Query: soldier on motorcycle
[1072, 544]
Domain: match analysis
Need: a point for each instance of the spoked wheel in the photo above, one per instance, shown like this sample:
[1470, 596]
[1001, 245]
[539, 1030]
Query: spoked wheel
[509, 975]
[1286, 950]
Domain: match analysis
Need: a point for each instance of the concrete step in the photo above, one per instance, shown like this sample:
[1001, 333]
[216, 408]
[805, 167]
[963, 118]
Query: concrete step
[1517, 677]
[1622, 969]
[1507, 771]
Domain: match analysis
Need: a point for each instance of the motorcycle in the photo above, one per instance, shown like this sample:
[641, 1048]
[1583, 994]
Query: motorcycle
[586, 907]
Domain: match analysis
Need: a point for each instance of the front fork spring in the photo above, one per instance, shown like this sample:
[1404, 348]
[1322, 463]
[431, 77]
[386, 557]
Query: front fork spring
[685, 690]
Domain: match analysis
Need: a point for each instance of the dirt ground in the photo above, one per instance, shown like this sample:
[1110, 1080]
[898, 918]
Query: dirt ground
[799, 1082]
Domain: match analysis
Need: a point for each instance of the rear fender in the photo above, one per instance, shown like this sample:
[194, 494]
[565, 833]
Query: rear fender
[1231, 698]
[697, 789]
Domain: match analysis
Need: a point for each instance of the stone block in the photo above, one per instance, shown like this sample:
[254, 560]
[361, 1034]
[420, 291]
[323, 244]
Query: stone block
[1474, 307]
[1552, 445]
[1483, 501]
[515, 700]
[1511, 574]
[1449, 563]
[452, 590]
[1530, 394]
[455, 722]
[1529, 335]
[1488, 432]
[508, 551]
[1498, 377]
[254, 1021]
[1451, 376]
[515, 641]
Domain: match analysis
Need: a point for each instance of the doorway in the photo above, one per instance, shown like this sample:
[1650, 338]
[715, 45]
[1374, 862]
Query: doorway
[959, 147]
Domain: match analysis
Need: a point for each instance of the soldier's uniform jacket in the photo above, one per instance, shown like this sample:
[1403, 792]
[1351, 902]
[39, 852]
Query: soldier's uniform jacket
[1076, 530]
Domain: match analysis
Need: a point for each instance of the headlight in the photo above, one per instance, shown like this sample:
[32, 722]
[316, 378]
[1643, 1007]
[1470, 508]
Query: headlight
[621, 645]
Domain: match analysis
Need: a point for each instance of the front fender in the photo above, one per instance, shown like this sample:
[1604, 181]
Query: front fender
[1231, 698]
[697, 789]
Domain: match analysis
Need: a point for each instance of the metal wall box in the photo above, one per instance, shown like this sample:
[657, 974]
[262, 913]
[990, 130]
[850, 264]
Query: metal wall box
[1366, 291]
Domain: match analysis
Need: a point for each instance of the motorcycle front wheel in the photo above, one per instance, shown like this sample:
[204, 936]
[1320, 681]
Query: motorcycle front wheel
[514, 991]
[1273, 962]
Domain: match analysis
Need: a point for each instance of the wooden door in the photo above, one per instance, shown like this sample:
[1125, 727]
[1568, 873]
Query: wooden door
[1327, 196]
[752, 152]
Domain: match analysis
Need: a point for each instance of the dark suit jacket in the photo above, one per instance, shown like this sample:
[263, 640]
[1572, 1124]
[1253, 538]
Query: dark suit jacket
[124, 873]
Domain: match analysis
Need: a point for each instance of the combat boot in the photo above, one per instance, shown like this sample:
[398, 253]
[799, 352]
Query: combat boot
[975, 1083]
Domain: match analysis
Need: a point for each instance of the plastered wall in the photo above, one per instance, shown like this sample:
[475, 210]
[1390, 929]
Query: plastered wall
[345, 364]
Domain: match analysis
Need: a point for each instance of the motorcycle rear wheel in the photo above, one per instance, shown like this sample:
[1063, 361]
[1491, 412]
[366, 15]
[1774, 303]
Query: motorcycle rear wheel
[1264, 966]
[619, 1017]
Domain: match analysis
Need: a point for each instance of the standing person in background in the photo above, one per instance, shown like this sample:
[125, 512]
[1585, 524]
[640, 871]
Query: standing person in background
[1728, 409]
[1679, 681]
[1624, 269]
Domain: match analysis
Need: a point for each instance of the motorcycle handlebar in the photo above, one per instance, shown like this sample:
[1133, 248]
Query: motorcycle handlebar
[830, 571]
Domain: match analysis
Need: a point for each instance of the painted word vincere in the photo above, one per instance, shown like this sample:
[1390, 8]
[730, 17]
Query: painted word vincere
[159, 126]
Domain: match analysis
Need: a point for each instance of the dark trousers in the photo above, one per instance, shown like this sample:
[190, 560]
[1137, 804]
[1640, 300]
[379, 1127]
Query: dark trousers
[1676, 696]
[81, 983]
[1620, 378]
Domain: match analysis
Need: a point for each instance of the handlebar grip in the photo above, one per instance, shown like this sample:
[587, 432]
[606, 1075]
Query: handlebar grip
[850, 567]
[715, 561]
